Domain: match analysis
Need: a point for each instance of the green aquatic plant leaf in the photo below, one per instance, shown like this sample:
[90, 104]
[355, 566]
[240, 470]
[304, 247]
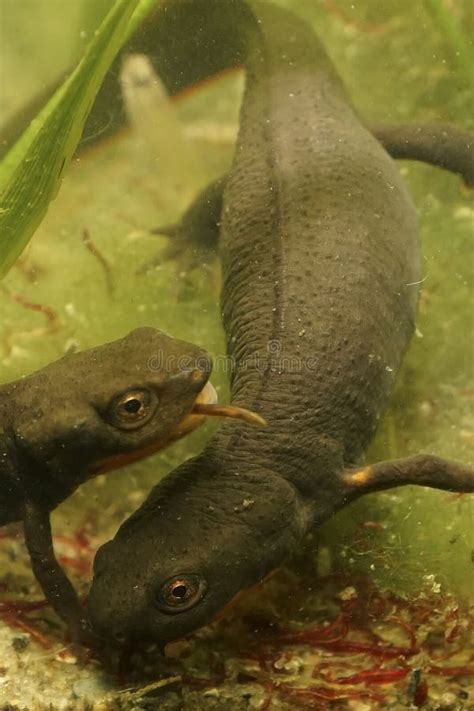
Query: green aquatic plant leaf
[31, 173]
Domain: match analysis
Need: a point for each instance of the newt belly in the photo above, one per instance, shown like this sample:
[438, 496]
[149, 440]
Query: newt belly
[320, 258]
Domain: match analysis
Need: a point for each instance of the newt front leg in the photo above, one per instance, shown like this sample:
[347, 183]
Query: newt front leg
[52, 578]
[422, 470]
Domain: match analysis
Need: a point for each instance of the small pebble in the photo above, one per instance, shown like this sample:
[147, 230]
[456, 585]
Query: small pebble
[348, 593]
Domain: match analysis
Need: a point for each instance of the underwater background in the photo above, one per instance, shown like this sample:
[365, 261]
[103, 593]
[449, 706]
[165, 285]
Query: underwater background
[81, 282]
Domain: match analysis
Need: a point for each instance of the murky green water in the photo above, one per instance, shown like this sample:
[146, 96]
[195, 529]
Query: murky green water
[398, 65]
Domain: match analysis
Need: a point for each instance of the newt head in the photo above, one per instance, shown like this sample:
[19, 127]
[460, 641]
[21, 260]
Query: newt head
[203, 536]
[99, 409]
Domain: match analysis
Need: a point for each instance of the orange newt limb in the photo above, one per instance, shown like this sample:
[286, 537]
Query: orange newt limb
[423, 470]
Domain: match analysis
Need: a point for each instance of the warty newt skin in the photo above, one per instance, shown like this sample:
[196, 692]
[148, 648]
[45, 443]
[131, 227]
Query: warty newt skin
[85, 414]
[318, 240]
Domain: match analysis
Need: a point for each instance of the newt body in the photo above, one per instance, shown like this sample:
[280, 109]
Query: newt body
[321, 264]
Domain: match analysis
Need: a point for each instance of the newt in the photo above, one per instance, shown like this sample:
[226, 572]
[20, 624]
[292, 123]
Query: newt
[319, 245]
[88, 413]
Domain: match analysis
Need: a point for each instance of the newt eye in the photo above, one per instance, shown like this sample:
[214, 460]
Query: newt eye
[132, 408]
[181, 593]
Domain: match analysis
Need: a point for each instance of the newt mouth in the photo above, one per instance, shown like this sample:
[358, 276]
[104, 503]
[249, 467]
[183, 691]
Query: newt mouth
[205, 405]
[238, 413]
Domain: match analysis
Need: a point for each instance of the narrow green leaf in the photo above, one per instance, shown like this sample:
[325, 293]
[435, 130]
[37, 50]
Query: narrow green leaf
[30, 175]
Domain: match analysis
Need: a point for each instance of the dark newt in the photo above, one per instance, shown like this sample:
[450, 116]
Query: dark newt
[183, 64]
[321, 271]
[88, 413]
